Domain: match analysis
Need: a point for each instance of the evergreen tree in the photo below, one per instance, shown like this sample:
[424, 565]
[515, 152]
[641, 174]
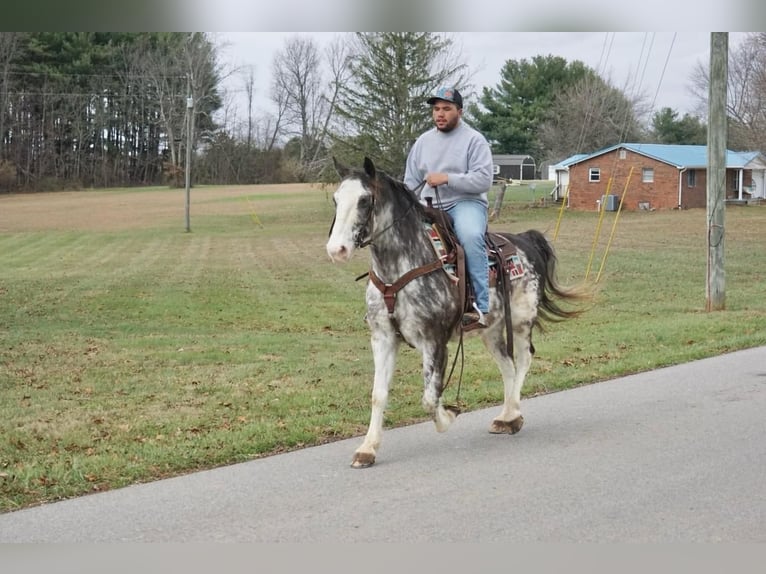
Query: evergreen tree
[515, 109]
[668, 129]
[382, 110]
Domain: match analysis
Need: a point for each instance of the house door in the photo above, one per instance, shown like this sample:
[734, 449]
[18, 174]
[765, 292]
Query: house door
[562, 183]
[759, 182]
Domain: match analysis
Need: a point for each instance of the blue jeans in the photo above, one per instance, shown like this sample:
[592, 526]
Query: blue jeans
[469, 218]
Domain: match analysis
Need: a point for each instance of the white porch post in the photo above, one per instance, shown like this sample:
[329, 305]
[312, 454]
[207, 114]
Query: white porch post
[741, 179]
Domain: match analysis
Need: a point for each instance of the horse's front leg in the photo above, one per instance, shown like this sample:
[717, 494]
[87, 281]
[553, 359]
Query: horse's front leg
[434, 368]
[385, 345]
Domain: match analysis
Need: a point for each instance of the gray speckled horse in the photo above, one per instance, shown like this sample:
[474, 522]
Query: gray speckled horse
[372, 208]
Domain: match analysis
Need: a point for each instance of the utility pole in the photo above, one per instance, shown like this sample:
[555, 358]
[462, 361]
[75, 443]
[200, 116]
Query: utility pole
[716, 171]
[189, 129]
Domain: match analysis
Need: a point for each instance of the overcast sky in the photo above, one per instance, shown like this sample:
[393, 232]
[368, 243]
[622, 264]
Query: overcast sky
[655, 64]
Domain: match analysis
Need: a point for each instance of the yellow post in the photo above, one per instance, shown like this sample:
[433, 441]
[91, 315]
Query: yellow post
[601, 211]
[253, 214]
[561, 212]
[614, 225]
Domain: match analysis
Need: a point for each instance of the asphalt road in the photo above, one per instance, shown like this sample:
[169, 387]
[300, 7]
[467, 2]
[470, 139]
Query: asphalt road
[676, 454]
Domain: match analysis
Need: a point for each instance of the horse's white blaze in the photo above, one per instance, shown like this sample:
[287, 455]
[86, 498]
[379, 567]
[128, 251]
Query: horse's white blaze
[340, 245]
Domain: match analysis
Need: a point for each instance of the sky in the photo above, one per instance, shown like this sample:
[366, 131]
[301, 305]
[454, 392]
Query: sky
[656, 65]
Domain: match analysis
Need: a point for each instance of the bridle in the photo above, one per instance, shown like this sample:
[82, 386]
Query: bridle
[363, 237]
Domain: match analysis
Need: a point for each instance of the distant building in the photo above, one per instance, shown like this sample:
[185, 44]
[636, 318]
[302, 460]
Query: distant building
[559, 172]
[654, 176]
[515, 167]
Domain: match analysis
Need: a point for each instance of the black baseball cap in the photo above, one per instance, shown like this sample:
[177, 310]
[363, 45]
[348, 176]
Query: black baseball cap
[448, 94]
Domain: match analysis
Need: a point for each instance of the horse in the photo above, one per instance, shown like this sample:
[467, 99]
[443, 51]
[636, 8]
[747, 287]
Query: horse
[411, 297]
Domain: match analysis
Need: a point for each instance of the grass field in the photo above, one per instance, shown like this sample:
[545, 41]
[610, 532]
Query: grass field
[131, 350]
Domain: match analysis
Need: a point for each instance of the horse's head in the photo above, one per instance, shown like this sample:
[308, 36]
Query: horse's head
[354, 203]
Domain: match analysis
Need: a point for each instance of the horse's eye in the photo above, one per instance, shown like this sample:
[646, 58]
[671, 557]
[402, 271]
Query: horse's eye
[365, 202]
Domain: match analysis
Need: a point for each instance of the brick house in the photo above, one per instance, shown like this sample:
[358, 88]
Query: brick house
[655, 176]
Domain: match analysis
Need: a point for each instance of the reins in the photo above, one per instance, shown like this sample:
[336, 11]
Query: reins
[460, 350]
[369, 241]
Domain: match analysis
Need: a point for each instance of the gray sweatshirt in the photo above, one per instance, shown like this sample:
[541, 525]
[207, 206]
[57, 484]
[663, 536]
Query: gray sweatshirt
[463, 153]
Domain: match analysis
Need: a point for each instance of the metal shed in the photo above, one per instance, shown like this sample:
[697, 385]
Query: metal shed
[515, 167]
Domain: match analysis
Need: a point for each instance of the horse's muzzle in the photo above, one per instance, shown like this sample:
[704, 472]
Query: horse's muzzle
[339, 252]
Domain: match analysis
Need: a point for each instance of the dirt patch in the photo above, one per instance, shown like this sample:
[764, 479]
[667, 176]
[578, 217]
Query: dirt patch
[115, 210]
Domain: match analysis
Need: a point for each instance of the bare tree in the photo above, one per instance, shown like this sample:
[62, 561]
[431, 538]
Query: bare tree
[9, 46]
[274, 124]
[250, 94]
[179, 66]
[337, 55]
[204, 70]
[164, 68]
[746, 97]
[298, 76]
[587, 116]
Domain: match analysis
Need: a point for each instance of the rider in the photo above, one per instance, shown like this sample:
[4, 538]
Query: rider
[457, 159]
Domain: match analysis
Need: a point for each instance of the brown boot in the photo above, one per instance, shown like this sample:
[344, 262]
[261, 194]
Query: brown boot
[473, 320]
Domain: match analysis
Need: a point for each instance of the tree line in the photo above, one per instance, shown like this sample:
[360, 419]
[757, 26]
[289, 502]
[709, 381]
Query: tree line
[85, 109]
[100, 109]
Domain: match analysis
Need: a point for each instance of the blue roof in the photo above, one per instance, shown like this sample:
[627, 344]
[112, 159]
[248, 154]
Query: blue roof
[570, 160]
[677, 155]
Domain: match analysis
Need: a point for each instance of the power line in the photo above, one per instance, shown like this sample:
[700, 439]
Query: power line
[113, 75]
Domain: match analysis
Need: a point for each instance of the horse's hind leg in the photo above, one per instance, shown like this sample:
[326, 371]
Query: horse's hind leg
[514, 372]
[384, 349]
[434, 368]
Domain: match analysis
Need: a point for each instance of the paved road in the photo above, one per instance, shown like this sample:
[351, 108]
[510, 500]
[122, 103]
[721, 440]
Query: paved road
[676, 454]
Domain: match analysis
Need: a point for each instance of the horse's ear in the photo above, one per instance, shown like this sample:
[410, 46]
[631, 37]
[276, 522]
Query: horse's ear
[342, 170]
[369, 167]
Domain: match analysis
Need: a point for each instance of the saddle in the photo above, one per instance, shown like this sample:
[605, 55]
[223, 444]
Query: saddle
[504, 265]
[504, 262]
[501, 253]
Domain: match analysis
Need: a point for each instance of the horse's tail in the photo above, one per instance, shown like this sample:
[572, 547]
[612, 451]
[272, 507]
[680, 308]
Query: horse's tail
[541, 255]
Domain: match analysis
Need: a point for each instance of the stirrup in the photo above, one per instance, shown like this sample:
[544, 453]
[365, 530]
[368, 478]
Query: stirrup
[474, 319]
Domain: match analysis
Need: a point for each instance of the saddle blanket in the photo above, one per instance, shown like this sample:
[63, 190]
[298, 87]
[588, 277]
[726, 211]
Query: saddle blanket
[513, 265]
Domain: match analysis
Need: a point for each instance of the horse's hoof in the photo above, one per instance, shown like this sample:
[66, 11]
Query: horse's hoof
[503, 427]
[363, 460]
[453, 409]
[444, 417]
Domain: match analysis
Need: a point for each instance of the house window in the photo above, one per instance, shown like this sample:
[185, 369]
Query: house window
[691, 178]
[594, 174]
[647, 175]
[623, 154]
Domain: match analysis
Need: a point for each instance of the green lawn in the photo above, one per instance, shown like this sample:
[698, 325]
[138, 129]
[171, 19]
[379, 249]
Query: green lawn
[137, 351]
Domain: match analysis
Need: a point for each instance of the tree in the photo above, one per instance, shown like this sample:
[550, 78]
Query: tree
[746, 98]
[667, 129]
[178, 66]
[87, 108]
[297, 75]
[10, 43]
[586, 116]
[305, 99]
[510, 114]
[381, 109]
